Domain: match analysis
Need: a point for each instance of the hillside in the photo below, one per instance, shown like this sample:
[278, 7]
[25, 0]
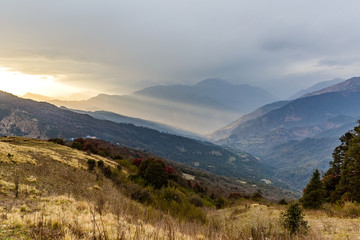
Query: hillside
[227, 130]
[279, 136]
[27, 118]
[47, 191]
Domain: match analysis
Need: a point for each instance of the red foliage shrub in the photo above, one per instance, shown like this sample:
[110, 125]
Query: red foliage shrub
[137, 161]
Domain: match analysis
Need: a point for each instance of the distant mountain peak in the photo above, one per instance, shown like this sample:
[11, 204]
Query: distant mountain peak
[211, 81]
[37, 97]
[350, 85]
[318, 86]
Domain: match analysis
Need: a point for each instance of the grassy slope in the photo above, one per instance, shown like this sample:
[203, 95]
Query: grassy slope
[60, 199]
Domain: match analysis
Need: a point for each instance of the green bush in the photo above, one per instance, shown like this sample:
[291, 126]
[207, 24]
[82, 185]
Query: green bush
[293, 219]
[57, 141]
[142, 196]
[171, 195]
[197, 202]
[219, 203]
[153, 171]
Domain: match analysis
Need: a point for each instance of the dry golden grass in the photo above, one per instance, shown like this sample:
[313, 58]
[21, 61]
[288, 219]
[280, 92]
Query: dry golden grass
[60, 199]
[74, 219]
[17, 150]
[68, 218]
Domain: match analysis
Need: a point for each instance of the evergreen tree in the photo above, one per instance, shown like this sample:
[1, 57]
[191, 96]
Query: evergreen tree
[293, 219]
[333, 175]
[342, 180]
[349, 185]
[314, 193]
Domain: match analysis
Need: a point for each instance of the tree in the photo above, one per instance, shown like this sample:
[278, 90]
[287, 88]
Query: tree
[349, 183]
[332, 177]
[293, 219]
[153, 171]
[342, 180]
[314, 193]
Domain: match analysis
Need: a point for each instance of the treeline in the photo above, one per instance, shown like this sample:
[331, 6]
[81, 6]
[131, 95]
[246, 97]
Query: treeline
[341, 183]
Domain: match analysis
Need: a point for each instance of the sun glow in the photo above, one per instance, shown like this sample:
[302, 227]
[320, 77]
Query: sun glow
[20, 83]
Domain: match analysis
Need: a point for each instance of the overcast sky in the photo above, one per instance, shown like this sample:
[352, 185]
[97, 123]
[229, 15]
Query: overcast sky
[120, 46]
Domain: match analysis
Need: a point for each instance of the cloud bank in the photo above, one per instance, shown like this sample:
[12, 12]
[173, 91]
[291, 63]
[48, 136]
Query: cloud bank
[120, 46]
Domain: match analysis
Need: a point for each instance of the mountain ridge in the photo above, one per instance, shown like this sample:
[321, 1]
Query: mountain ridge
[22, 117]
[321, 116]
[200, 108]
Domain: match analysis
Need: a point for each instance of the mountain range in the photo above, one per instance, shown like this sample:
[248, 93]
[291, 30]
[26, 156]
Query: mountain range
[199, 108]
[23, 117]
[118, 118]
[316, 87]
[295, 137]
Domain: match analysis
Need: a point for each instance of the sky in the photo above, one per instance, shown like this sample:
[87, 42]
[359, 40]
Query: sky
[58, 48]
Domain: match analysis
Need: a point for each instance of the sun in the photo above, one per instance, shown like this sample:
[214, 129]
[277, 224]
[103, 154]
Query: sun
[20, 83]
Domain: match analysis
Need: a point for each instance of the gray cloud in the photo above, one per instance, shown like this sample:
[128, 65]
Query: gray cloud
[282, 45]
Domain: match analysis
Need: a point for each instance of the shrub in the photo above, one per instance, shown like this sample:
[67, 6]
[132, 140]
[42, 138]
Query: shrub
[197, 202]
[119, 167]
[171, 173]
[137, 161]
[57, 141]
[293, 219]
[91, 164]
[219, 203]
[153, 171]
[78, 143]
[351, 209]
[235, 196]
[171, 195]
[257, 196]
[142, 196]
[100, 164]
[107, 171]
[198, 188]
[283, 202]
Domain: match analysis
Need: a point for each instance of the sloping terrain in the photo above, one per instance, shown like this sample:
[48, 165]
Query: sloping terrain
[316, 87]
[20, 117]
[286, 137]
[48, 192]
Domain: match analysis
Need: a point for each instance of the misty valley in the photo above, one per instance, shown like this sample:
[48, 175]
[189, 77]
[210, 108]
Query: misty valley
[179, 120]
[261, 161]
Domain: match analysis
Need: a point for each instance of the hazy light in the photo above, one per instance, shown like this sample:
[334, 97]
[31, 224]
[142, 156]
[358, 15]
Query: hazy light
[20, 83]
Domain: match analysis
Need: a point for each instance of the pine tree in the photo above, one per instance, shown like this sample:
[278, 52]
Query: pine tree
[314, 193]
[342, 180]
[293, 219]
[349, 185]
